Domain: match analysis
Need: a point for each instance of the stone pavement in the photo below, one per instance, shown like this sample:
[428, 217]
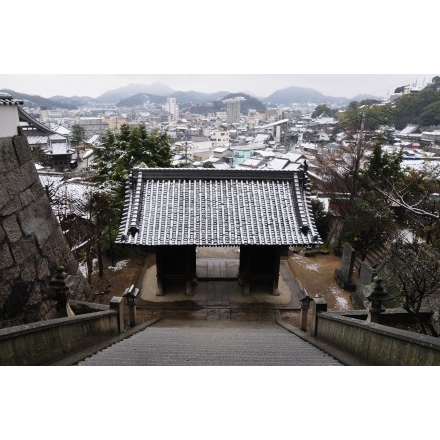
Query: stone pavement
[174, 342]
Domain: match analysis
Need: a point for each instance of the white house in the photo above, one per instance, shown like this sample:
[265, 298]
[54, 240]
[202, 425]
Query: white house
[9, 121]
[219, 138]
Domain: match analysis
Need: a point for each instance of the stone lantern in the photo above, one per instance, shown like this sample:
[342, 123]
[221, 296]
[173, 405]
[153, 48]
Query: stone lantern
[305, 301]
[58, 291]
[376, 298]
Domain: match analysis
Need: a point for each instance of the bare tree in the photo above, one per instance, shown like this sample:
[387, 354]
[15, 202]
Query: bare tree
[412, 276]
[341, 167]
[417, 196]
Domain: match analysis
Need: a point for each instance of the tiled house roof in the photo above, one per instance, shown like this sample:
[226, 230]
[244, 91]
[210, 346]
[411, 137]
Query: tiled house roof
[208, 207]
[6, 99]
[33, 123]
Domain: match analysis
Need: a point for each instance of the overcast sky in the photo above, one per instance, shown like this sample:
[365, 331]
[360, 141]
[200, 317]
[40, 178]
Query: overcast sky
[337, 48]
[262, 85]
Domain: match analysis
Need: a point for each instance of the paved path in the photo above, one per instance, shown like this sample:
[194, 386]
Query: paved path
[218, 294]
[212, 343]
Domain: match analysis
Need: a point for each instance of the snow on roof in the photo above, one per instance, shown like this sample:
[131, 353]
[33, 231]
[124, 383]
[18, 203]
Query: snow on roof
[265, 153]
[93, 139]
[212, 159]
[294, 157]
[408, 129]
[57, 137]
[36, 140]
[272, 124]
[293, 166]
[277, 164]
[60, 129]
[88, 153]
[251, 162]
[220, 150]
[221, 166]
[209, 207]
[260, 138]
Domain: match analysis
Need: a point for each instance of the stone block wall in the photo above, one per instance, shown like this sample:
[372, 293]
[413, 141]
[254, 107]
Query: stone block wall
[377, 344]
[32, 244]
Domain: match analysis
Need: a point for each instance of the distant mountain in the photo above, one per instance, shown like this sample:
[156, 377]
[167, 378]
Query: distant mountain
[189, 98]
[77, 101]
[141, 99]
[197, 97]
[38, 101]
[301, 94]
[362, 97]
[249, 102]
[116, 95]
[134, 95]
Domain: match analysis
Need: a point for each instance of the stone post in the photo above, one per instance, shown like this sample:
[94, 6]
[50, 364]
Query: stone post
[319, 306]
[132, 314]
[131, 294]
[344, 276]
[117, 304]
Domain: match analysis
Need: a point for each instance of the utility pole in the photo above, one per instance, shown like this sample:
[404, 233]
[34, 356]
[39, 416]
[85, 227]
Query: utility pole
[186, 148]
[357, 159]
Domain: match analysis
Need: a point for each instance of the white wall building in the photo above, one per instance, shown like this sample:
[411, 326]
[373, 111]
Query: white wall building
[219, 138]
[431, 136]
[172, 108]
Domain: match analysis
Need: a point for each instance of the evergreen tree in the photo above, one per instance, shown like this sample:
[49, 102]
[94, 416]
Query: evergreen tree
[77, 137]
[322, 218]
[382, 171]
[370, 222]
[131, 146]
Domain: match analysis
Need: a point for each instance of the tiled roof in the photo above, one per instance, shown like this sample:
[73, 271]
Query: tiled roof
[6, 99]
[36, 140]
[208, 207]
[24, 116]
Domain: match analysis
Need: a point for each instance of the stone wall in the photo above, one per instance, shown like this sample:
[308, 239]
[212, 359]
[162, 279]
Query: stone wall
[377, 344]
[43, 343]
[32, 244]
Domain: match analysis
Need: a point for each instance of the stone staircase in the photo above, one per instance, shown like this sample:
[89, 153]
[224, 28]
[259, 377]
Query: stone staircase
[375, 255]
[183, 342]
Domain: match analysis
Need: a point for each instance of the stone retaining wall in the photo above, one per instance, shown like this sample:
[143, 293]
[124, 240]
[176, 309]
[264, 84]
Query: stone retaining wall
[32, 244]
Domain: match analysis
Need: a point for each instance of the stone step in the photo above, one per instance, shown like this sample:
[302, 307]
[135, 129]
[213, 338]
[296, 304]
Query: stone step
[218, 342]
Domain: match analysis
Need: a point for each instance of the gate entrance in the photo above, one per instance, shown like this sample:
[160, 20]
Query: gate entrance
[217, 263]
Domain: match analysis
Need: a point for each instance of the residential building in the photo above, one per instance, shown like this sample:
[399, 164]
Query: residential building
[431, 136]
[172, 108]
[219, 138]
[93, 126]
[233, 110]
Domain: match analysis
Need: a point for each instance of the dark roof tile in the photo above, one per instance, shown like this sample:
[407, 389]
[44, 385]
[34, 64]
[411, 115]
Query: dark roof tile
[217, 208]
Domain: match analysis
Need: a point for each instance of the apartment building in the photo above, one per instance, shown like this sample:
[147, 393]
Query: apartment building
[93, 126]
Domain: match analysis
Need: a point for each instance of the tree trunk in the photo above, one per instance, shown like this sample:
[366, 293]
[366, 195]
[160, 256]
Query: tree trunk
[100, 262]
[89, 263]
